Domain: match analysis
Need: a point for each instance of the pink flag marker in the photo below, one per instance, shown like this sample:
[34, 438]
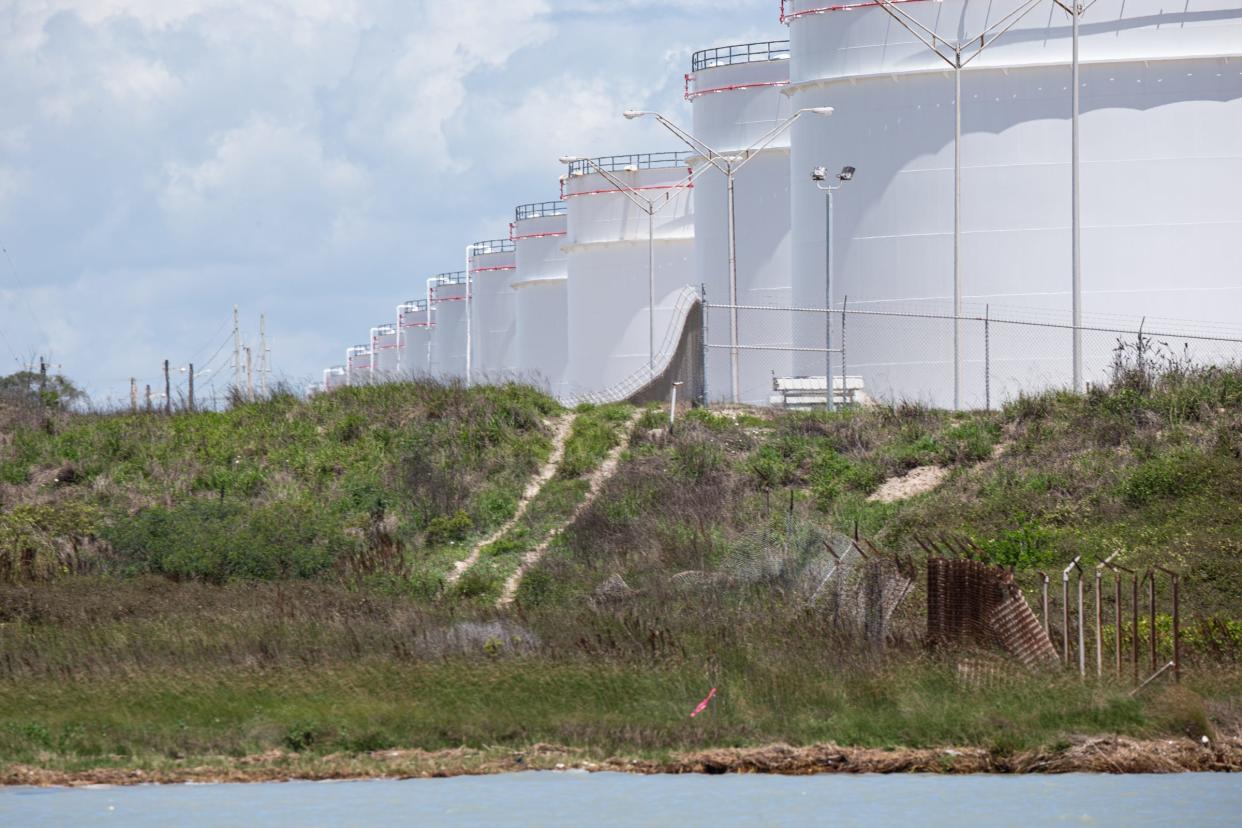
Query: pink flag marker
[703, 704]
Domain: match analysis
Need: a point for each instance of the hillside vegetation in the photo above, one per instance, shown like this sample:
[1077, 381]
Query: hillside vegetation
[275, 577]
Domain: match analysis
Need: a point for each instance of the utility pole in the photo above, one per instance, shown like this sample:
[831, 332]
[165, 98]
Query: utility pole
[148, 398]
[263, 365]
[191, 386]
[167, 391]
[133, 395]
[42, 377]
[237, 364]
[249, 377]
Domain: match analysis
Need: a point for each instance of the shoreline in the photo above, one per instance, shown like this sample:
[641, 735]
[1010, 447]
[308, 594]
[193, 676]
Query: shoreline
[1110, 755]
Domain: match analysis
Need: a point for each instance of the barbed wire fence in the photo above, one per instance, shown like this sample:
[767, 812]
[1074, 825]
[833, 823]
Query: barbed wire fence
[895, 355]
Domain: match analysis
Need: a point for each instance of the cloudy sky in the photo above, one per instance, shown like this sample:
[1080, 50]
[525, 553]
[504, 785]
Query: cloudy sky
[316, 160]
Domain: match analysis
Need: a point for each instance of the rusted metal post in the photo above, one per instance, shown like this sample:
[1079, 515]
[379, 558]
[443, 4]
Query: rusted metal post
[1151, 612]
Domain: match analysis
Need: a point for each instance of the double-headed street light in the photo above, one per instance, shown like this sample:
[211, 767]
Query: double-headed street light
[730, 164]
[648, 206]
[819, 175]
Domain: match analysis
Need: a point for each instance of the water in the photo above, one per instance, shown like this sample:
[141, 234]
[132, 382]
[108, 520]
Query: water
[611, 799]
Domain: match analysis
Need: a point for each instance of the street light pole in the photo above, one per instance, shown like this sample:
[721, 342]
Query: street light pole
[819, 174]
[1075, 216]
[952, 54]
[730, 165]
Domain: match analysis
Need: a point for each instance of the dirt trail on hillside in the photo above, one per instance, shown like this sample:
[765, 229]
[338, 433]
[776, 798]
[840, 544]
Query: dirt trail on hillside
[560, 433]
[598, 478]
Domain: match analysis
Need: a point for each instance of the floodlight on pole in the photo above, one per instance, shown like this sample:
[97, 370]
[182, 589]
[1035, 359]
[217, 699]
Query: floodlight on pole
[819, 175]
[730, 165]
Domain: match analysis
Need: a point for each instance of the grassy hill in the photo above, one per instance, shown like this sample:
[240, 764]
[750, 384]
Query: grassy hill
[273, 579]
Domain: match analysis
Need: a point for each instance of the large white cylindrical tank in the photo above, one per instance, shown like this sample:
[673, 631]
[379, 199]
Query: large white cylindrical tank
[448, 335]
[334, 378]
[358, 365]
[384, 352]
[737, 96]
[492, 264]
[541, 288]
[612, 340]
[414, 339]
[1161, 161]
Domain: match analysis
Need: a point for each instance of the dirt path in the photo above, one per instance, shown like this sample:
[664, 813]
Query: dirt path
[598, 478]
[560, 433]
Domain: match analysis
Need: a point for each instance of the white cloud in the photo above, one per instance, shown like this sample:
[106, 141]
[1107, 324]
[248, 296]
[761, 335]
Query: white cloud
[276, 176]
[317, 159]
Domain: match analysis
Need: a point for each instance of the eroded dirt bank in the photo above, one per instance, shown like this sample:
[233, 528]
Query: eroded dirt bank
[1096, 755]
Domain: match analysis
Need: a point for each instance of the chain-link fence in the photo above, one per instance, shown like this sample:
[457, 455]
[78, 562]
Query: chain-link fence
[780, 355]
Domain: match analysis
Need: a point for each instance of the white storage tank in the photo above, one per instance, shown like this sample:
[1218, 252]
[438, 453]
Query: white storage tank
[611, 340]
[540, 285]
[1161, 161]
[358, 365]
[448, 336]
[384, 352]
[491, 266]
[414, 339]
[334, 378]
[737, 93]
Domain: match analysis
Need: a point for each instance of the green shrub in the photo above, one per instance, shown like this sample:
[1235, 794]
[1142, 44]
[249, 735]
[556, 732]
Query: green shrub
[218, 541]
[449, 528]
[1165, 477]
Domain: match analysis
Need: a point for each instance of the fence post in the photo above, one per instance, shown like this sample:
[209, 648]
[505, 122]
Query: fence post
[845, 381]
[987, 358]
[1043, 589]
[1134, 581]
[704, 307]
[1177, 629]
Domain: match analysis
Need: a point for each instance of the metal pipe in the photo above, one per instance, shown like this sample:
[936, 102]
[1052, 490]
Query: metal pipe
[469, 314]
[734, 373]
[1043, 590]
[1099, 625]
[704, 310]
[1082, 644]
[828, 389]
[957, 234]
[845, 379]
[1075, 213]
[651, 291]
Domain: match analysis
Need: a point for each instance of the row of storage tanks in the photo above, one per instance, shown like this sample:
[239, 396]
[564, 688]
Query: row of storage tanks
[567, 299]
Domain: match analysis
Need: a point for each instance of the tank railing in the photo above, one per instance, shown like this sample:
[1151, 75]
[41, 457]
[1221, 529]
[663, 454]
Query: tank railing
[647, 374]
[625, 163]
[335, 371]
[483, 248]
[539, 209]
[739, 53]
[386, 329]
[455, 278]
[413, 305]
[357, 350]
